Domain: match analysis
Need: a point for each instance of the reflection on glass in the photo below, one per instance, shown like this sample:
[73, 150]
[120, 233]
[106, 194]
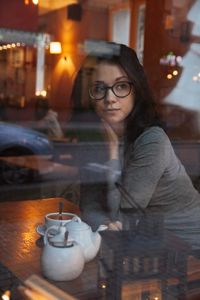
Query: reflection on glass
[186, 92]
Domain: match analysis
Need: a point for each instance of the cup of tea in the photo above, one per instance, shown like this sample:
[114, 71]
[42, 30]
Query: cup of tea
[57, 219]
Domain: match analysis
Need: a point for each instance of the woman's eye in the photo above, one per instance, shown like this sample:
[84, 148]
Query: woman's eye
[99, 89]
[121, 86]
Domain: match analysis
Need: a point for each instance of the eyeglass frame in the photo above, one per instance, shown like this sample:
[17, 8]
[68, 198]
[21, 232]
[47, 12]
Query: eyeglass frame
[107, 87]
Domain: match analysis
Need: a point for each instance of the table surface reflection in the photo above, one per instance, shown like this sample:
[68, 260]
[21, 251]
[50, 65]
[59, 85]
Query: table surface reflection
[21, 248]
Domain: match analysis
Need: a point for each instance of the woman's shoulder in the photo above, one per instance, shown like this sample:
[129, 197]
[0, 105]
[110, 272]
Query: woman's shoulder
[155, 131]
[153, 134]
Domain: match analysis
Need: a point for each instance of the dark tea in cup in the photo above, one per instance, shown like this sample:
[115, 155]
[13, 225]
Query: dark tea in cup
[58, 219]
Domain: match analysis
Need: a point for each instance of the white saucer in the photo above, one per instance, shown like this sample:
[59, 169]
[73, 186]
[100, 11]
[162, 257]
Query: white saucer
[41, 229]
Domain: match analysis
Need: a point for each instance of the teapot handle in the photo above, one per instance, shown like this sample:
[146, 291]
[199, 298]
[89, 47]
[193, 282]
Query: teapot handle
[46, 242]
[77, 219]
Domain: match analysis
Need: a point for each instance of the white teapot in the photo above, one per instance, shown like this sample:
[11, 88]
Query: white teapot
[82, 233]
[61, 259]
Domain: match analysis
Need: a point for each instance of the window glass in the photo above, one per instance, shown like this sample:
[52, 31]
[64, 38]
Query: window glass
[100, 124]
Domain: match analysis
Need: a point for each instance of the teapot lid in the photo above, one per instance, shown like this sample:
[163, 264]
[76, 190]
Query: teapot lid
[77, 224]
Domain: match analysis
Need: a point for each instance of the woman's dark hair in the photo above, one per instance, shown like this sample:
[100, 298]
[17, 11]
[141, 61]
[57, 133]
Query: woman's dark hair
[144, 113]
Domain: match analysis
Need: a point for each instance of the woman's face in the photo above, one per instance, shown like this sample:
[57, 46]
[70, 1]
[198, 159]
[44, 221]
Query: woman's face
[112, 108]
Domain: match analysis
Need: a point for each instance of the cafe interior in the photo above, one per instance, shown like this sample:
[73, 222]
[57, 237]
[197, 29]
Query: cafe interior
[43, 44]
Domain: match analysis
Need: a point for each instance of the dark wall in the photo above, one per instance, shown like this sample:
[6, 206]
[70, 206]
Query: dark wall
[14, 14]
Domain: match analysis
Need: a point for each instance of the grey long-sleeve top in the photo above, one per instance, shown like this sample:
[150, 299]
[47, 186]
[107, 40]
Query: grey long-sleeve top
[157, 180]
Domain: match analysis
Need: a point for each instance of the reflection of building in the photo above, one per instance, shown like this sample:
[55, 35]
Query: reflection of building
[21, 64]
[187, 91]
[60, 21]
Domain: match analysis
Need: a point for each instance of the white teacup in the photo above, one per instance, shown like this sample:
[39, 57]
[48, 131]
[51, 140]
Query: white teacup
[56, 219]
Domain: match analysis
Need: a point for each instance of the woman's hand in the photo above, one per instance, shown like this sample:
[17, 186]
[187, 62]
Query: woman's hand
[112, 138]
[115, 226]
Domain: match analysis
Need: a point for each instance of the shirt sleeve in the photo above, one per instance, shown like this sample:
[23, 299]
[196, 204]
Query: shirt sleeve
[145, 165]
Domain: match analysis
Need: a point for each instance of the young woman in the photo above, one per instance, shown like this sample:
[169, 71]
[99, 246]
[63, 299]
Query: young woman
[146, 164]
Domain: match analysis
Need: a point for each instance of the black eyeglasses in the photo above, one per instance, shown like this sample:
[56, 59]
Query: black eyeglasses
[121, 89]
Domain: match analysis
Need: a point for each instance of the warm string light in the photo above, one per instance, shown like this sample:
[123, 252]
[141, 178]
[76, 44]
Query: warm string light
[41, 93]
[27, 2]
[10, 46]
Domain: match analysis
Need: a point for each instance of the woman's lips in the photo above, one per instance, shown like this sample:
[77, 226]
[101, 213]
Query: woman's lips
[111, 110]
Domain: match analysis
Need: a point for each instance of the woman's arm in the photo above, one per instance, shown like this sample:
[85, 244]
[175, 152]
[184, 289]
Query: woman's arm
[93, 204]
[95, 197]
[113, 173]
[111, 137]
[145, 163]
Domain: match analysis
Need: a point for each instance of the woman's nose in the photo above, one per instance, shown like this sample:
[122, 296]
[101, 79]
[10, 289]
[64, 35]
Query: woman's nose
[110, 96]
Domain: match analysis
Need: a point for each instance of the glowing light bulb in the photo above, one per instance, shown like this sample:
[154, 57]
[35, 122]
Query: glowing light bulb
[194, 78]
[6, 295]
[169, 76]
[55, 48]
[175, 72]
[43, 93]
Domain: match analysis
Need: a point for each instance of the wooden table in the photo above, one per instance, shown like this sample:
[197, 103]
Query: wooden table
[18, 236]
[21, 247]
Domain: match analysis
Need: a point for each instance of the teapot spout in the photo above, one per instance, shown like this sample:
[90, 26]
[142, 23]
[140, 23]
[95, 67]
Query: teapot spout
[96, 240]
[102, 228]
